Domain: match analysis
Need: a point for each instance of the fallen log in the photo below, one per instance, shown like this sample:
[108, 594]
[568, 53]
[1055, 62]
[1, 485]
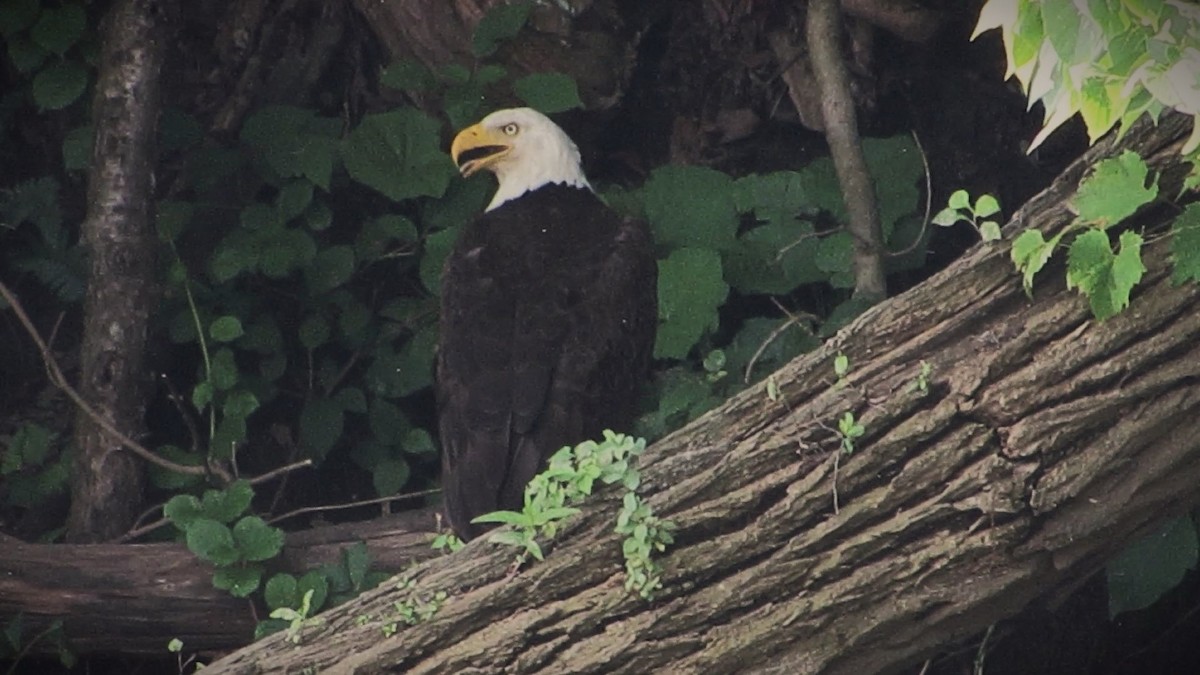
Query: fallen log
[1041, 444]
[133, 598]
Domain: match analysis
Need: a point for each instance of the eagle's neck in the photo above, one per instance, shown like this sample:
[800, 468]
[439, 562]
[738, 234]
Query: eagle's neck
[517, 178]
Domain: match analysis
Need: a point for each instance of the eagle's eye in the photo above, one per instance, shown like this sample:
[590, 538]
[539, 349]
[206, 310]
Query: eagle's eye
[510, 129]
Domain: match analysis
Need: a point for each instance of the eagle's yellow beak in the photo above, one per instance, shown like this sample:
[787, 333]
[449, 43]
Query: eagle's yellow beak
[478, 147]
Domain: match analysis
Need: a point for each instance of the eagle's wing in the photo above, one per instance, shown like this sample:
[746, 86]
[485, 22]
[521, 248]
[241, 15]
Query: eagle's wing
[522, 372]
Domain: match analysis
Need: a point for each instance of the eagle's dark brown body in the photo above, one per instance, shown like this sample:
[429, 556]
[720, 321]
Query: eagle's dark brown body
[548, 317]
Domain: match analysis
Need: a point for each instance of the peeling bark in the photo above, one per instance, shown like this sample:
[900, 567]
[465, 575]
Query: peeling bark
[1046, 442]
[107, 481]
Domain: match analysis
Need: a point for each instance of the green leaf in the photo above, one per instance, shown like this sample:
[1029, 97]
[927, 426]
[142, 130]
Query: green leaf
[548, 92]
[226, 329]
[387, 423]
[1106, 279]
[318, 217]
[896, 168]
[240, 404]
[26, 56]
[174, 481]
[1185, 244]
[514, 518]
[358, 563]
[234, 255]
[407, 371]
[959, 200]
[313, 581]
[1149, 568]
[227, 504]
[390, 476]
[293, 141]
[332, 267]
[690, 290]
[989, 230]
[398, 154]
[314, 331]
[835, 253]
[437, 247]
[500, 24]
[407, 75]
[418, 442]
[691, 206]
[59, 28]
[182, 510]
[321, 423]
[17, 15]
[280, 591]
[774, 258]
[351, 399]
[1060, 21]
[224, 372]
[212, 542]
[239, 581]
[986, 206]
[1030, 253]
[59, 85]
[287, 250]
[378, 234]
[1114, 190]
[293, 199]
[946, 217]
[256, 539]
[171, 219]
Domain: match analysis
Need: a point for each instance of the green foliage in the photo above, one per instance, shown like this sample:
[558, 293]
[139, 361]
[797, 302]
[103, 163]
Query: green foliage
[1106, 279]
[570, 477]
[691, 206]
[1185, 245]
[1111, 62]
[297, 619]
[548, 92]
[1152, 566]
[961, 209]
[397, 154]
[215, 529]
[690, 290]
[1114, 190]
[499, 25]
[16, 643]
[848, 431]
[417, 608]
[32, 468]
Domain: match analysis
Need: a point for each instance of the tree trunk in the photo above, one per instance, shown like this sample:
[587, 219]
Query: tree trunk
[1045, 442]
[133, 598]
[106, 484]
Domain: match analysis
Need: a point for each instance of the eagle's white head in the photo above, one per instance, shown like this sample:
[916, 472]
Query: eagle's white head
[525, 150]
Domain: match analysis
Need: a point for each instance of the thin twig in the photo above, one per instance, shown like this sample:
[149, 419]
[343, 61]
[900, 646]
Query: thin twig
[350, 505]
[59, 380]
[928, 202]
[792, 320]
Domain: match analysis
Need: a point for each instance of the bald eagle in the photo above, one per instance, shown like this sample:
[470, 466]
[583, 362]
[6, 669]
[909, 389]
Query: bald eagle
[548, 317]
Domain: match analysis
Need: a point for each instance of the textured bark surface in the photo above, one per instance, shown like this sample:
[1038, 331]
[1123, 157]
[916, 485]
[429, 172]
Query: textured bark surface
[1045, 443]
[106, 482]
[593, 41]
[133, 598]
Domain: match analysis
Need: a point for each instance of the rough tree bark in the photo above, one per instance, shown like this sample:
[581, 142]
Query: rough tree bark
[134, 598]
[1044, 444]
[107, 480]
